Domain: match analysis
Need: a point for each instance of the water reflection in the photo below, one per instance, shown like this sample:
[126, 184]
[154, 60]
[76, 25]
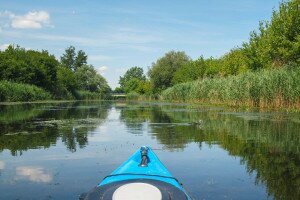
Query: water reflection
[267, 144]
[44, 124]
[33, 173]
[2, 165]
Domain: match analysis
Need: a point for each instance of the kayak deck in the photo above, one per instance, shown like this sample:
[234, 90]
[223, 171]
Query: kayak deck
[130, 169]
[142, 176]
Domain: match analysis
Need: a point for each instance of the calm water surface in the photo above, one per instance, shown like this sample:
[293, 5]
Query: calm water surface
[58, 151]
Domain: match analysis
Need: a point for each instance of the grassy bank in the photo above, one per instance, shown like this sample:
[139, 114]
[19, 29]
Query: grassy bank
[11, 92]
[277, 88]
[17, 92]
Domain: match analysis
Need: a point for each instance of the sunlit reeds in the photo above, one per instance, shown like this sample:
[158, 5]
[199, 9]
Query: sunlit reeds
[265, 88]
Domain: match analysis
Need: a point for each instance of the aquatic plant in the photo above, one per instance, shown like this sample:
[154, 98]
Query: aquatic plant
[265, 88]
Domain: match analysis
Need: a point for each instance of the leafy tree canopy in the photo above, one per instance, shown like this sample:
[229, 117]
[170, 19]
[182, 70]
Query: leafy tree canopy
[132, 73]
[163, 70]
[88, 79]
[73, 60]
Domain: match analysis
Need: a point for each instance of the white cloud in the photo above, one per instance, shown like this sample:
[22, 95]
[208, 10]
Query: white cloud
[35, 174]
[2, 165]
[7, 14]
[32, 19]
[101, 69]
[3, 46]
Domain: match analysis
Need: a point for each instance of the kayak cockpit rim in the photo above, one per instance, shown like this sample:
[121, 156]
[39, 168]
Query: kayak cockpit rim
[135, 174]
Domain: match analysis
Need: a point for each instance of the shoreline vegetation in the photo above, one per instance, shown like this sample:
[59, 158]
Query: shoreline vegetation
[29, 75]
[278, 88]
[263, 72]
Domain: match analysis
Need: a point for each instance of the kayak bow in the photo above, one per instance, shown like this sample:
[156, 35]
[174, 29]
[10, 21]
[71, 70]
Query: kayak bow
[142, 176]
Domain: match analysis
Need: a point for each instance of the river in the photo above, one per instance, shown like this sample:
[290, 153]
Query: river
[60, 150]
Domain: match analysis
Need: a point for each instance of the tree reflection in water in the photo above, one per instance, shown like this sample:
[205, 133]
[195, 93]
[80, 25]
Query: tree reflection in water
[267, 143]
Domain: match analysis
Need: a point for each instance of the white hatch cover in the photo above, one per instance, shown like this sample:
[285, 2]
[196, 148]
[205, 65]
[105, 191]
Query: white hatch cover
[137, 191]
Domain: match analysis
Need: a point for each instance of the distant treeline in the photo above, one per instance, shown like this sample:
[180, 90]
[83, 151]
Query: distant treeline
[28, 75]
[275, 45]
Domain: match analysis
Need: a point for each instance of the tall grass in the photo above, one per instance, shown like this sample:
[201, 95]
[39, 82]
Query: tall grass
[278, 88]
[13, 92]
[87, 95]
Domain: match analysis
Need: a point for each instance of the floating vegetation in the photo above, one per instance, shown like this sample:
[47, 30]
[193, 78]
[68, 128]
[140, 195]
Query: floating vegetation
[75, 123]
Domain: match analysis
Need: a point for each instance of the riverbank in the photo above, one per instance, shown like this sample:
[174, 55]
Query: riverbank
[276, 88]
[11, 92]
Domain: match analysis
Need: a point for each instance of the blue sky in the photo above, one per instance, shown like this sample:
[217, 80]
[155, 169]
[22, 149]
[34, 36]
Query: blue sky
[121, 34]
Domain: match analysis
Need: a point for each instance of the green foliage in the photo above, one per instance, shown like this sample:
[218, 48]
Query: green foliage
[192, 70]
[145, 88]
[277, 42]
[277, 88]
[68, 58]
[80, 60]
[132, 85]
[234, 62]
[132, 73]
[44, 71]
[132, 96]
[29, 67]
[163, 70]
[72, 60]
[21, 92]
[88, 79]
[274, 45]
[213, 67]
[66, 82]
[138, 86]
[87, 95]
[118, 90]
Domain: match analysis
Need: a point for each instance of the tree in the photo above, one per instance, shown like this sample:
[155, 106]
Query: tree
[68, 58]
[29, 66]
[213, 67]
[80, 60]
[73, 60]
[234, 62]
[276, 43]
[144, 87]
[132, 85]
[118, 90]
[88, 79]
[163, 70]
[192, 70]
[132, 73]
[66, 81]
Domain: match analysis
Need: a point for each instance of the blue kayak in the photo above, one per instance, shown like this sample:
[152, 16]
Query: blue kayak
[142, 176]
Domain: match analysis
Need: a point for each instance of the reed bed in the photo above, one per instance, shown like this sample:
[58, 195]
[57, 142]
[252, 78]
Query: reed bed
[87, 95]
[278, 88]
[12, 92]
